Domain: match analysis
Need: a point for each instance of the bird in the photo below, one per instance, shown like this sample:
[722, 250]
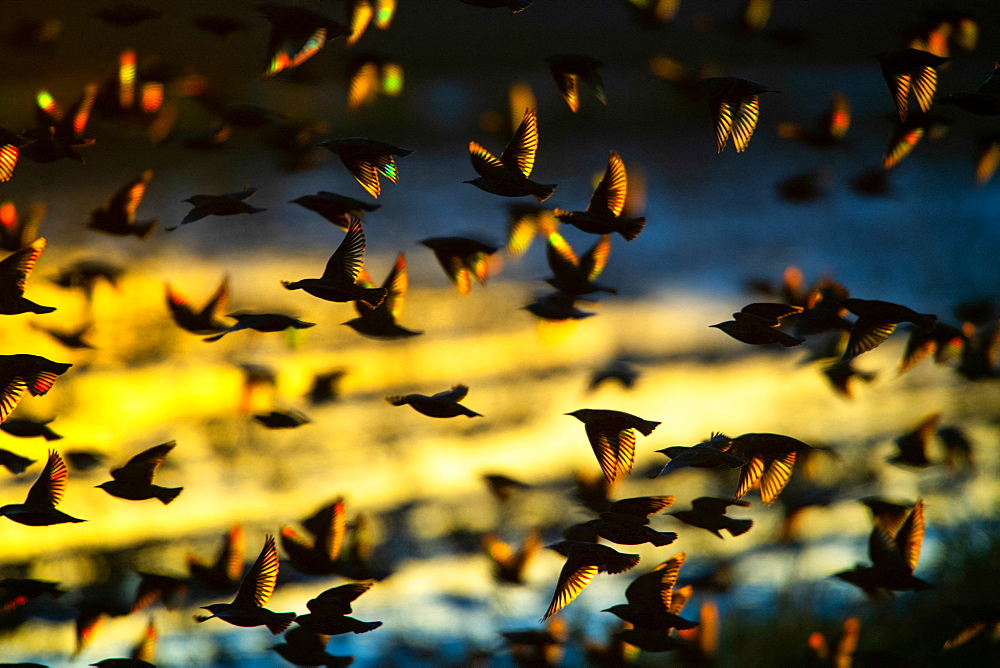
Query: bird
[829, 129]
[381, 322]
[944, 341]
[208, 320]
[117, 215]
[604, 212]
[735, 107]
[337, 284]
[155, 588]
[16, 232]
[297, 34]
[770, 458]
[328, 611]
[508, 565]
[625, 522]
[87, 273]
[28, 428]
[338, 209]
[984, 101]
[365, 159]
[26, 372]
[13, 462]
[712, 453]
[524, 223]
[247, 609]
[652, 601]
[876, 321]
[757, 324]
[569, 69]
[134, 481]
[326, 387]
[612, 437]
[556, 307]
[709, 513]
[364, 12]
[303, 647]
[58, 133]
[462, 259]
[229, 204]
[14, 271]
[441, 405]
[507, 175]
[583, 562]
[619, 369]
[913, 444]
[224, 572]
[72, 339]
[910, 69]
[261, 322]
[282, 419]
[318, 556]
[574, 276]
[39, 508]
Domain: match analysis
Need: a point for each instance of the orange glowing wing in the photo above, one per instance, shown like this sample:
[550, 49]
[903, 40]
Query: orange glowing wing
[519, 154]
[901, 93]
[776, 475]
[746, 122]
[396, 283]
[347, 260]
[51, 484]
[609, 196]
[231, 556]
[258, 583]
[910, 537]
[923, 87]
[596, 258]
[572, 579]
[8, 160]
[14, 269]
[722, 114]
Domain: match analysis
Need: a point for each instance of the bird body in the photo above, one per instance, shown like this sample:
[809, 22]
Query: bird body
[14, 271]
[338, 209]
[604, 213]
[39, 509]
[507, 175]
[569, 69]
[319, 556]
[441, 405]
[910, 69]
[612, 437]
[328, 611]
[117, 215]
[876, 321]
[735, 107]
[712, 453]
[757, 324]
[365, 159]
[380, 322]
[206, 321]
[709, 513]
[770, 458]
[261, 322]
[462, 259]
[25, 372]
[27, 428]
[584, 561]
[652, 601]
[134, 481]
[572, 276]
[230, 204]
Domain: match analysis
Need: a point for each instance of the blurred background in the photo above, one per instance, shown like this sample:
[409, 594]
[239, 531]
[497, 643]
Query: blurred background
[921, 232]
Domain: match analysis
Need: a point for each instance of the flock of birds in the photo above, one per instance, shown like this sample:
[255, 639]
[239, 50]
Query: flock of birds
[838, 327]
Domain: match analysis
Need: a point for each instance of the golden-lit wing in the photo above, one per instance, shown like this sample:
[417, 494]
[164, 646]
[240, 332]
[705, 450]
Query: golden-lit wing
[776, 475]
[746, 121]
[291, 536]
[363, 86]
[532, 544]
[51, 484]
[145, 649]
[722, 115]
[901, 93]
[231, 556]
[333, 537]
[479, 265]
[8, 160]
[396, 284]
[312, 45]
[499, 551]
[519, 154]
[572, 579]
[521, 231]
[668, 578]
[569, 86]
[79, 113]
[127, 199]
[347, 260]
[126, 79]
[910, 538]
[594, 260]
[609, 196]
[367, 175]
[178, 304]
[866, 335]
[560, 255]
[15, 268]
[679, 599]
[902, 142]
[924, 85]
[987, 160]
[485, 163]
[361, 16]
[625, 457]
[749, 475]
[258, 583]
[840, 116]
[386, 165]
[384, 11]
[218, 304]
[606, 455]
[12, 392]
[459, 275]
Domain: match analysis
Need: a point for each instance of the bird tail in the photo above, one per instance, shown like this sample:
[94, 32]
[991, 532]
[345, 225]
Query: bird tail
[646, 427]
[396, 400]
[38, 308]
[471, 413]
[631, 228]
[542, 191]
[282, 623]
[738, 527]
[290, 285]
[663, 538]
[215, 337]
[145, 228]
[374, 296]
[365, 627]
[168, 494]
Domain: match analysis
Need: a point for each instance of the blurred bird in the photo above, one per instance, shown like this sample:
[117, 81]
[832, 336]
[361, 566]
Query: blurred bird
[462, 259]
[757, 324]
[503, 487]
[712, 453]
[804, 187]
[220, 25]
[368, 75]
[134, 481]
[985, 101]
[876, 321]
[380, 322]
[328, 611]
[17, 232]
[943, 341]
[297, 34]
[326, 387]
[618, 369]
[583, 562]
[514, 6]
[987, 158]
[958, 449]
[338, 209]
[569, 69]
[441, 405]
[155, 588]
[9, 151]
[907, 134]
[247, 609]
[87, 273]
[612, 437]
[337, 284]
[223, 574]
[230, 204]
[206, 321]
[910, 69]
[282, 419]
[508, 175]
[508, 565]
[261, 322]
[829, 129]
[556, 307]
[28, 428]
[604, 213]
[524, 223]
[842, 655]
[365, 159]
[117, 215]
[320, 556]
[653, 12]
[72, 339]
[652, 601]
[872, 182]
[572, 276]
[39, 508]
[364, 12]
[795, 499]
[14, 271]
[842, 374]
[17, 592]
[14, 463]
[306, 648]
[735, 108]
[625, 522]
[709, 513]
[913, 444]
[57, 133]
[770, 461]
[25, 372]
[83, 460]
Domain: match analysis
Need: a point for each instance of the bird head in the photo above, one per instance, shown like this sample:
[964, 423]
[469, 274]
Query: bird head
[581, 414]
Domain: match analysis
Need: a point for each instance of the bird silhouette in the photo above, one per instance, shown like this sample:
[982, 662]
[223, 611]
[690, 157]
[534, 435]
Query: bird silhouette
[39, 508]
[625, 522]
[28, 428]
[556, 307]
[508, 175]
[14, 271]
[57, 133]
[604, 213]
[16, 231]
[25, 372]
[612, 437]
[619, 369]
[913, 444]
[712, 453]
[297, 34]
[735, 107]
[910, 70]
[365, 159]
[276, 419]
[569, 69]
[208, 320]
[318, 556]
[945, 342]
[876, 321]
[984, 101]
[757, 324]
[155, 588]
[709, 513]
[338, 209]
[338, 282]
[583, 562]
[87, 273]
[247, 609]
[303, 647]
[134, 481]
[328, 611]
[574, 276]
[441, 405]
[652, 601]
[117, 215]
[462, 259]
[770, 458]
[508, 565]
[261, 322]
[223, 574]
[68, 338]
[381, 322]
[230, 204]
[14, 463]
[829, 129]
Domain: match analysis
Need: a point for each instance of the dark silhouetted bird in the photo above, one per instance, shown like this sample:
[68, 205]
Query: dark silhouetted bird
[39, 509]
[625, 522]
[712, 453]
[337, 284]
[58, 133]
[155, 588]
[604, 213]
[338, 209]
[985, 101]
[318, 556]
[569, 69]
[508, 565]
[206, 321]
[913, 444]
[83, 460]
[709, 513]
[829, 130]
[134, 481]
[16, 592]
[959, 454]
[804, 187]
[612, 437]
[524, 223]
[514, 6]
[282, 419]
[876, 321]
[650, 640]
[757, 324]
[365, 159]
[872, 182]
[556, 307]
[297, 34]
[652, 601]
[943, 341]
[462, 259]
[441, 405]
[247, 609]
[508, 175]
[328, 611]
[539, 647]
[770, 459]
[14, 463]
[842, 374]
[117, 215]
[326, 387]
[72, 339]
[230, 204]
[14, 271]
[583, 562]
[28, 428]
[910, 69]
[262, 322]
[303, 647]
[223, 574]
[503, 487]
[381, 322]
[86, 274]
[573, 276]
[25, 372]
[735, 107]
[17, 232]
[619, 369]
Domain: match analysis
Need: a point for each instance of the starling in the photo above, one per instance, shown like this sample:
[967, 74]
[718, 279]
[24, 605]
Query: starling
[17, 232]
[907, 134]
[306, 648]
[282, 419]
[261, 322]
[296, 35]
[462, 259]
[625, 523]
[117, 215]
[508, 175]
[338, 209]
[573, 276]
[365, 159]
[770, 461]
[27, 428]
[380, 322]
[830, 128]
[247, 609]
[58, 133]
[326, 387]
[508, 565]
[876, 321]
[72, 339]
[604, 213]
[612, 437]
[525, 222]
[583, 562]
[20, 372]
[14, 271]
[712, 453]
[14, 463]
[709, 513]
[943, 341]
[224, 573]
[85, 274]
[556, 307]
[15, 592]
[913, 444]
[337, 284]
[757, 324]
[841, 374]
[39, 509]
[134, 481]
[619, 369]
[328, 526]
[735, 108]
[441, 405]
[206, 321]
[569, 69]
[218, 205]
[652, 601]
[154, 588]
[910, 69]
[329, 610]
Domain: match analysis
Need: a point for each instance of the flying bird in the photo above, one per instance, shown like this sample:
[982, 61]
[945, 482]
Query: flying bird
[297, 34]
[569, 69]
[441, 405]
[985, 101]
[207, 320]
[69, 338]
[583, 562]
[619, 369]
[876, 321]
[365, 12]
[282, 419]
[223, 574]
[508, 565]
[117, 215]
[134, 481]
[16, 231]
[14, 271]
[604, 213]
[556, 307]
[365, 159]
[524, 223]
[770, 459]
[829, 129]
[328, 611]
[230, 204]
[25, 372]
[462, 259]
[57, 133]
[910, 70]
[303, 647]
[381, 322]
[338, 209]
[508, 175]
[757, 324]
[735, 108]
[625, 522]
[14, 463]
[712, 453]
[261, 322]
[652, 601]
[612, 437]
[318, 556]
[913, 444]
[39, 509]
[27, 428]
[709, 513]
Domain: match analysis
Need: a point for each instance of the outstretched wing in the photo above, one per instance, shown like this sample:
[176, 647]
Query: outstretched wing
[48, 489]
[258, 583]
[519, 154]
[15, 268]
[347, 260]
[609, 196]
